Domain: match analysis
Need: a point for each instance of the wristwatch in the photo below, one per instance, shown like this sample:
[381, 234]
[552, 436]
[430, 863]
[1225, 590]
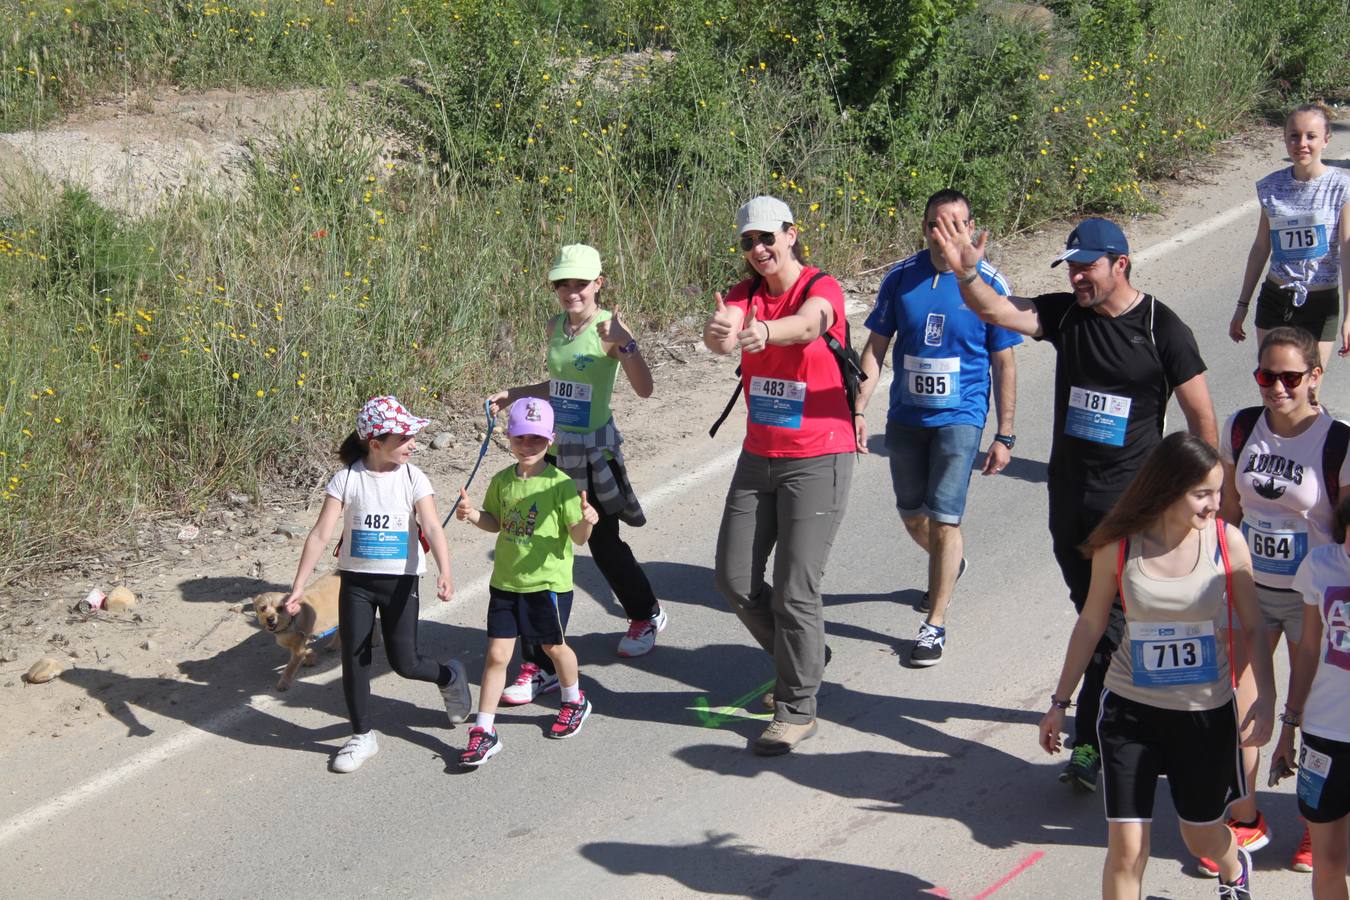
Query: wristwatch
[1007, 440]
[630, 347]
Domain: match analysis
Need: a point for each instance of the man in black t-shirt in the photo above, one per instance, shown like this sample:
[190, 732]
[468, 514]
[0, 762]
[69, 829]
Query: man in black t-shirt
[1121, 356]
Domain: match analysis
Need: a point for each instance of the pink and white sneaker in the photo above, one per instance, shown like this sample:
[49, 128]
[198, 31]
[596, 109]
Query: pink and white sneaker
[641, 636]
[530, 683]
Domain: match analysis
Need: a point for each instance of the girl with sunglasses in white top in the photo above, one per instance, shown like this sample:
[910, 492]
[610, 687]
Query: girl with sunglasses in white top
[1283, 462]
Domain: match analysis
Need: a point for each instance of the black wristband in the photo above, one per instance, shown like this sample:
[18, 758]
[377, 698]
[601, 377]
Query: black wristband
[1060, 704]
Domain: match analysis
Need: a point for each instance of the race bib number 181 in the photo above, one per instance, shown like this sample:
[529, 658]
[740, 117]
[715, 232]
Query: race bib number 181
[1097, 416]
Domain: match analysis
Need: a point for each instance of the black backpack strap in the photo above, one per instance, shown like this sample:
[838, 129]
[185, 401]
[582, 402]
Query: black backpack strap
[726, 411]
[1333, 458]
[1243, 425]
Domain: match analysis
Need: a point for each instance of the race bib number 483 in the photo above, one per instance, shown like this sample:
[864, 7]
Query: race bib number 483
[776, 401]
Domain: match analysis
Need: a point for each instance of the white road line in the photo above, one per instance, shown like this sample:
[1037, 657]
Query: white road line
[185, 740]
[1195, 232]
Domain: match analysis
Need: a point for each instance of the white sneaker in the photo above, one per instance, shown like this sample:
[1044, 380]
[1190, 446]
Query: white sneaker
[641, 636]
[358, 749]
[530, 683]
[458, 702]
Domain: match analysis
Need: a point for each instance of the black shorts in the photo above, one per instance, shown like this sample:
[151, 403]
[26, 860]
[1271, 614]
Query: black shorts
[1318, 315]
[536, 617]
[1323, 779]
[1197, 751]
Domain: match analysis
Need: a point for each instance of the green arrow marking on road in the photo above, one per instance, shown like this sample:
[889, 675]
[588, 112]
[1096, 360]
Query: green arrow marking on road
[710, 718]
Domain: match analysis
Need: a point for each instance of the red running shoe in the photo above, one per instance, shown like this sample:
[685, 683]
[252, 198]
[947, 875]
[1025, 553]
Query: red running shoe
[1302, 861]
[570, 718]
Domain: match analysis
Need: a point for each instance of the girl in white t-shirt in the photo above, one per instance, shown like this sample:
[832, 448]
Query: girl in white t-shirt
[1304, 233]
[388, 513]
[1276, 488]
[1318, 703]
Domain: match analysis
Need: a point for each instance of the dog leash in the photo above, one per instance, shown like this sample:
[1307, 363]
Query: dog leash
[482, 452]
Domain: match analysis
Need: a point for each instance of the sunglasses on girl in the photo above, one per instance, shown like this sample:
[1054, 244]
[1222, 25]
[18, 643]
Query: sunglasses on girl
[1266, 378]
[748, 241]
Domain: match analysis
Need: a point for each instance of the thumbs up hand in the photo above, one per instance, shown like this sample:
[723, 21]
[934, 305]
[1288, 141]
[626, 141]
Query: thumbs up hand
[722, 326]
[612, 331]
[588, 512]
[754, 334]
[465, 511]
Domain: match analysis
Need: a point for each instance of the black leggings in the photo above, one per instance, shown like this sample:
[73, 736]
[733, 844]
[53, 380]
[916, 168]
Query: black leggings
[396, 598]
[1073, 515]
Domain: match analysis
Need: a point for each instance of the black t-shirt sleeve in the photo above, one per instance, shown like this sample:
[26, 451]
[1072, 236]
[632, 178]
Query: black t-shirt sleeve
[1050, 308]
[1176, 346]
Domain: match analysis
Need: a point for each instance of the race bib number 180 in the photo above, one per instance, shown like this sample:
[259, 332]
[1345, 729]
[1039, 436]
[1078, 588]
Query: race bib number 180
[571, 402]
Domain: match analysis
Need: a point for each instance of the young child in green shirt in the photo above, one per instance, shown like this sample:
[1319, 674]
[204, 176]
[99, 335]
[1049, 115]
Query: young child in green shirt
[537, 514]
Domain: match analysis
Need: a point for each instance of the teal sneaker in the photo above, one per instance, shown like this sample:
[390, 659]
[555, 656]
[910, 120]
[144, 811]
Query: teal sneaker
[1084, 765]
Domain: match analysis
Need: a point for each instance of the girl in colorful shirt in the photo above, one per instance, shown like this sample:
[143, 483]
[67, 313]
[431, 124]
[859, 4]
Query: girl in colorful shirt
[587, 346]
[1304, 234]
[1318, 704]
[389, 521]
[1168, 707]
[534, 509]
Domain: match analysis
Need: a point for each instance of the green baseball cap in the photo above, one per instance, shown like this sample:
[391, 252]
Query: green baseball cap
[576, 261]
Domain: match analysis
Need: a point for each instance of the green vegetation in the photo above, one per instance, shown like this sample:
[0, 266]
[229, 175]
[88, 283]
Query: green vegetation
[156, 361]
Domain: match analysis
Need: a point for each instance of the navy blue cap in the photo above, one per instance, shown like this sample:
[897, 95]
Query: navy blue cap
[1091, 240]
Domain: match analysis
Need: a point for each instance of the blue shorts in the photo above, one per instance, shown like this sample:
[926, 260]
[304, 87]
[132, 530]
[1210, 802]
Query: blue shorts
[930, 468]
[535, 617]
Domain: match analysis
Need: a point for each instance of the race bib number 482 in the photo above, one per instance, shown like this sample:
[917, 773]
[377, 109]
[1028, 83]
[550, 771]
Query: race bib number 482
[379, 535]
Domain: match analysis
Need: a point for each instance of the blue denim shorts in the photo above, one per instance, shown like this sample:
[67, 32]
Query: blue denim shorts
[930, 468]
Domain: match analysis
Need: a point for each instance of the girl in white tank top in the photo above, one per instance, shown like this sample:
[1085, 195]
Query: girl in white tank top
[1169, 688]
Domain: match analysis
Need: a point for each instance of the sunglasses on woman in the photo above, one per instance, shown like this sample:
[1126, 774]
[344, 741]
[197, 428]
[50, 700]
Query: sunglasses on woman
[1266, 378]
[748, 241]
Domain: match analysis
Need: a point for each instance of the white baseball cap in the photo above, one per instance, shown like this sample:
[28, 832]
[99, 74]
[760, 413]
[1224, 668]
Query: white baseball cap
[763, 213]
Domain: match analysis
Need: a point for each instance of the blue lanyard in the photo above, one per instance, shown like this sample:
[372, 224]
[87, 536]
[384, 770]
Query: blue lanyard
[482, 452]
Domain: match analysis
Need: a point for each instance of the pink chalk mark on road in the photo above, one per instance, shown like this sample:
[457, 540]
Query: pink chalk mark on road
[999, 885]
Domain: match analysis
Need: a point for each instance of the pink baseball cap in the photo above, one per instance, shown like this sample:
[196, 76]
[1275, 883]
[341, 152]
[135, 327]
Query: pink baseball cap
[530, 415]
[385, 415]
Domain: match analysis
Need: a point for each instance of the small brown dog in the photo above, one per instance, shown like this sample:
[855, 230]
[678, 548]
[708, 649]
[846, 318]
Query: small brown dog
[318, 617]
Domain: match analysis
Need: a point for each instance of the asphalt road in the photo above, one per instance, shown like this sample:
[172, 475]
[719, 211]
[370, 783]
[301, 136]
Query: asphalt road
[919, 783]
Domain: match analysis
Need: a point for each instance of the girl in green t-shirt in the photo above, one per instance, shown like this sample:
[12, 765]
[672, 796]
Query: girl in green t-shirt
[587, 346]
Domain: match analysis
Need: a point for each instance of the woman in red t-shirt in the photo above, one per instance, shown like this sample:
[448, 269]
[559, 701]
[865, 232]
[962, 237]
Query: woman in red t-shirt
[791, 482]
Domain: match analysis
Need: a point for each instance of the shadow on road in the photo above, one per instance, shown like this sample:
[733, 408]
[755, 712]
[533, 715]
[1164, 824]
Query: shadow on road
[229, 680]
[718, 866]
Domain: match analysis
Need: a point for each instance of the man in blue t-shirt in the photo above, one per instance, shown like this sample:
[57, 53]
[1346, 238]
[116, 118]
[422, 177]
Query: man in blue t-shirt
[939, 400]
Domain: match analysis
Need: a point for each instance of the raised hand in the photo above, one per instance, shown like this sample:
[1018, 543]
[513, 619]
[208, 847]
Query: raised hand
[723, 320]
[498, 402]
[465, 511]
[954, 240]
[612, 331]
[754, 334]
[588, 512]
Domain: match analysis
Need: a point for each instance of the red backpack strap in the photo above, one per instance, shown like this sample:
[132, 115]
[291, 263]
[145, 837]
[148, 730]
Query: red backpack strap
[1121, 553]
[1221, 532]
